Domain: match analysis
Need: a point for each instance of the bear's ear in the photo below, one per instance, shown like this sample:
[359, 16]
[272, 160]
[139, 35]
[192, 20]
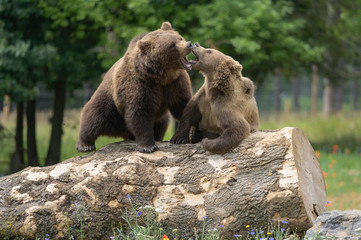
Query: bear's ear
[144, 45]
[166, 26]
[235, 65]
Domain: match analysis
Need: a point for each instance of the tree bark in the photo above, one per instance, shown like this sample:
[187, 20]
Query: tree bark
[17, 158]
[273, 175]
[314, 90]
[32, 151]
[54, 150]
[296, 93]
[327, 98]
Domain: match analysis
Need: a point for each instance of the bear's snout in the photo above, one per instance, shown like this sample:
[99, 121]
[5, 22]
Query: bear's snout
[190, 45]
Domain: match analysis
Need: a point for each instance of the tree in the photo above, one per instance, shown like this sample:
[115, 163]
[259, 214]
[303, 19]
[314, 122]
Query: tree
[75, 31]
[334, 25]
[24, 56]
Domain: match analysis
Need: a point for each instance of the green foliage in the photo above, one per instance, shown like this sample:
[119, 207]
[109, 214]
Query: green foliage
[23, 55]
[260, 34]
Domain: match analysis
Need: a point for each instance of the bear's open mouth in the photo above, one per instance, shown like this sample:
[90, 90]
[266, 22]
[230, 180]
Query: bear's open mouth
[194, 61]
[185, 63]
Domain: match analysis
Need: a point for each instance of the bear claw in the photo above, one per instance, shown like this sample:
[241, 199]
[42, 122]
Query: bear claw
[85, 148]
[147, 149]
[178, 140]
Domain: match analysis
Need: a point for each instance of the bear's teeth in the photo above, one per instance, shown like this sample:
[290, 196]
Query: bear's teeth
[186, 64]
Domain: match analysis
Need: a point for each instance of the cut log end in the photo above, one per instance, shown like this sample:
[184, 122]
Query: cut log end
[272, 176]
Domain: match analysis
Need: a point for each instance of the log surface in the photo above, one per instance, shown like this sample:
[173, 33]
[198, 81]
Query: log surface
[273, 175]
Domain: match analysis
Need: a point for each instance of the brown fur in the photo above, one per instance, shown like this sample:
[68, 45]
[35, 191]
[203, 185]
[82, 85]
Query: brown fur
[136, 93]
[224, 111]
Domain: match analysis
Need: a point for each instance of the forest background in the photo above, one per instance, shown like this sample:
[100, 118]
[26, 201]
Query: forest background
[304, 57]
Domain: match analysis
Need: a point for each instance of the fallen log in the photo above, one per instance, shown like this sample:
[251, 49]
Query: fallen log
[273, 175]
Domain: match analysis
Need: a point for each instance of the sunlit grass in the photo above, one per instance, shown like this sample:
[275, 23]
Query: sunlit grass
[323, 132]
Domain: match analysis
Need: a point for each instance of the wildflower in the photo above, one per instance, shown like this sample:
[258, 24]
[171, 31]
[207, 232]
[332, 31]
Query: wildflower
[328, 203]
[261, 232]
[335, 148]
[284, 222]
[282, 229]
[147, 207]
[205, 217]
[252, 232]
[112, 238]
[221, 226]
[237, 235]
[340, 184]
[318, 231]
[46, 239]
[269, 233]
[128, 196]
[139, 214]
[165, 237]
[318, 154]
[325, 174]
[271, 238]
[247, 226]
[334, 175]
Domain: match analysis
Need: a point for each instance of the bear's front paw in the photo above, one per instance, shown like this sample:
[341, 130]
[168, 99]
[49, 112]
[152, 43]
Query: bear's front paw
[179, 139]
[147, 148]
[85, 148]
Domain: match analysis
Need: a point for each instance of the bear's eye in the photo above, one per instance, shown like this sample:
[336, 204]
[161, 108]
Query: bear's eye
[172, 45]
[209, 51]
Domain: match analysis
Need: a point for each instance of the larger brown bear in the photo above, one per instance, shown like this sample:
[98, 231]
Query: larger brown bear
[135, 95]
[224, 111]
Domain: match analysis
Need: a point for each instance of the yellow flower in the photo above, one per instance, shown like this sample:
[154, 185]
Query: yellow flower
[269, 233]
[247, 226]
[318, 154]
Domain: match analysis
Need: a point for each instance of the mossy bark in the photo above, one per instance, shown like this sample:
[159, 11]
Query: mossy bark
[272, 176]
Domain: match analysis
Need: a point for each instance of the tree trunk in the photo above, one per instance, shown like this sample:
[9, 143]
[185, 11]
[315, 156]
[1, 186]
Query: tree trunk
[314, 90]
[296, 93]
[338, 97]
[6, 109]
[54, 150]
[32, 151]
[273, 175]
[355, 94]
[327, 97]
[17, 158]
[277, 91]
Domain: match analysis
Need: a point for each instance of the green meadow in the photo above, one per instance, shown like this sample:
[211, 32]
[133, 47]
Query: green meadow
[336, 140]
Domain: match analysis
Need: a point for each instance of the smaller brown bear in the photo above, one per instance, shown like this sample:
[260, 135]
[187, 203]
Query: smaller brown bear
[224, 111]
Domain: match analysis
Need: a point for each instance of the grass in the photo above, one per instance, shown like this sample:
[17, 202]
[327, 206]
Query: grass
[323, 132]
